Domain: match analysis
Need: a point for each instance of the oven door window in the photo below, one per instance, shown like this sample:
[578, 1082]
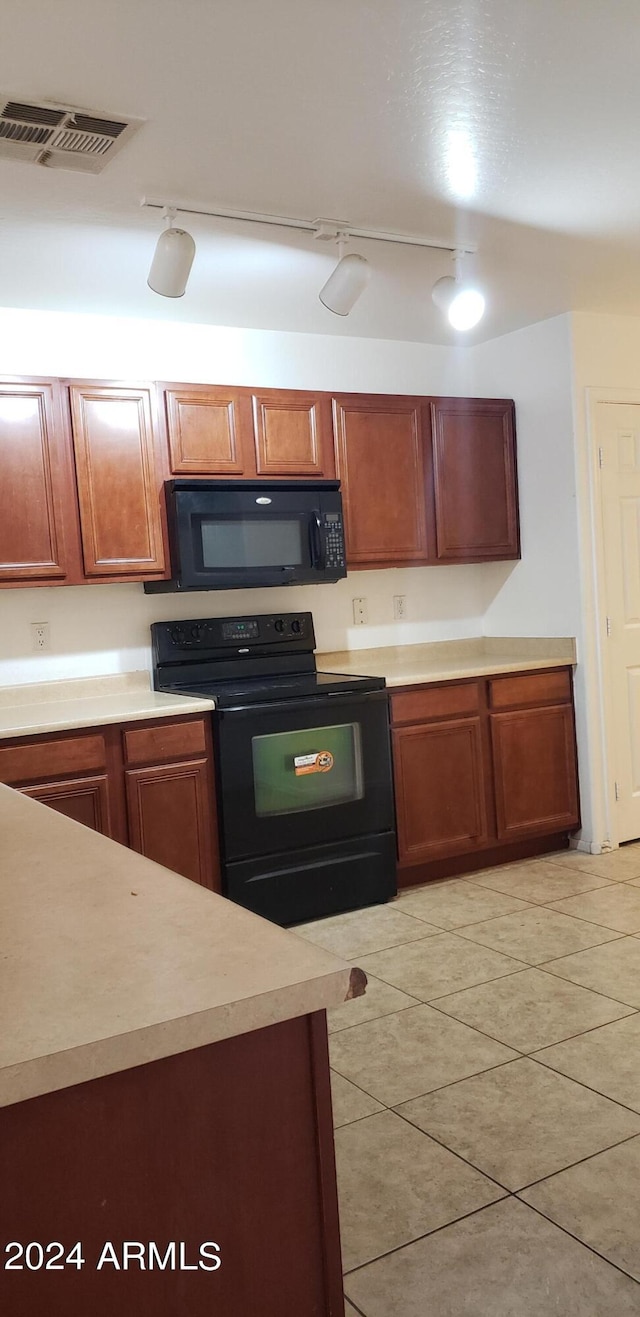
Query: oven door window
[235, 543]
[307, 769]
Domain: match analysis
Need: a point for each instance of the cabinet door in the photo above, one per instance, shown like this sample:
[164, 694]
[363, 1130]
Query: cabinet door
[38, 519]
[380, 460]
[535, 771]
[84, 799]
[118, 481]
[293, 434]
[210, 430]
[440, 789]
[474, 479]
[171, 817]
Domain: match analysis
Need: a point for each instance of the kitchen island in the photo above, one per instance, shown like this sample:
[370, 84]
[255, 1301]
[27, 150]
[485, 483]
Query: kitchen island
[165, 1115]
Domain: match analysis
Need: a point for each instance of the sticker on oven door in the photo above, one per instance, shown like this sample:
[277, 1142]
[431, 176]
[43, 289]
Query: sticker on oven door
[318, 763]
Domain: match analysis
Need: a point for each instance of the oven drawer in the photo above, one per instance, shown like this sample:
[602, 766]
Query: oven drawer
[321, 880]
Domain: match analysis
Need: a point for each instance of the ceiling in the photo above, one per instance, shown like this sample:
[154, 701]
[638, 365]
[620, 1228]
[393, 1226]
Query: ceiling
[510, 124]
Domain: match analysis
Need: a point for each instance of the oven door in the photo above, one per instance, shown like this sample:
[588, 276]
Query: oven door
[298, 773]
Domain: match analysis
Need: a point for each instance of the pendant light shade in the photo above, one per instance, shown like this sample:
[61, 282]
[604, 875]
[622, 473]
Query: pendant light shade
[345, 285]
[467, 308]
[172, 263]
[462, 303]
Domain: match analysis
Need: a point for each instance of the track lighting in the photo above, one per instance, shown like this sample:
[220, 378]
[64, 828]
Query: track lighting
[463, 304]
[347, 282]
[172, 260]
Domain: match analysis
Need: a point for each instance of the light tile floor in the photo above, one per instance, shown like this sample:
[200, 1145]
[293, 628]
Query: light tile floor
[487, 1094]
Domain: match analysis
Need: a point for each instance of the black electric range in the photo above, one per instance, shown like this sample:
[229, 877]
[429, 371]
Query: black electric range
[303, 763]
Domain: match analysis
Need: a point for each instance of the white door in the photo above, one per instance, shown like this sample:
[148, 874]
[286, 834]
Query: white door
[618, 437]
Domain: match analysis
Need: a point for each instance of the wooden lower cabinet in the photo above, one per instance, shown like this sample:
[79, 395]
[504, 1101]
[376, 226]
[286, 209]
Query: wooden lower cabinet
[442, 764]
[535, 778]
[485, 771]
[169, 812]
[230, 1143]
[85, 799]
[149, 785]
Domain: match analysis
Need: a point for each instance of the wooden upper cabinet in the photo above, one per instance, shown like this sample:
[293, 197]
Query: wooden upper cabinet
[293, 434]
[474, 479]
[380, 445]
[217, 431]
[118, 480]
[209, 430]
[38, 520]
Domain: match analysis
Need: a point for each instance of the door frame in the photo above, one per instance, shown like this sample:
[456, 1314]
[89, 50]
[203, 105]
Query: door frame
[599, 669]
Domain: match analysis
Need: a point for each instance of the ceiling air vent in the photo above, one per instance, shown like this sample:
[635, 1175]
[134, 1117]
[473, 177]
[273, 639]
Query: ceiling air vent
[61, 136]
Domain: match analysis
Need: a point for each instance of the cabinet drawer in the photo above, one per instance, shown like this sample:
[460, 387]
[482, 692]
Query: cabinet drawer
[427, 702]
[148, 745]
[532, 688]
[43, 759]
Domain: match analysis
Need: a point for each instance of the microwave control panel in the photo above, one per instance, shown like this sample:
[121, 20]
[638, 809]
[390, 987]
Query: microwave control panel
[333, 539]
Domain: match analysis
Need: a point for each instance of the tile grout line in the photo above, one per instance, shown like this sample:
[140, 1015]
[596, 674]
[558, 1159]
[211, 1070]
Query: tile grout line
[544, 969]
[533, 1057]
[508, 1195]
[426, 1001]
[523, 1052]
[616, 933]
[569, 1233]
[522, 1056]
[507, 1191]
[580, 1162]
[427, 1234]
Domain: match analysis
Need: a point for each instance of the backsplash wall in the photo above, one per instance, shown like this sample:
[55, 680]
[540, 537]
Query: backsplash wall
[100, 629]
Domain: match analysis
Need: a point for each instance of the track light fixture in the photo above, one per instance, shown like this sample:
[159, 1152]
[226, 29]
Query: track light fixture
[463, 303]
[172, 260]
[349, 279]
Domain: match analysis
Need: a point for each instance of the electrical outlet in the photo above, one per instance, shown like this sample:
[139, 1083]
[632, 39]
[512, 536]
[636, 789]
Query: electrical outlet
[399, 607]
[40, 639]
[360, 612]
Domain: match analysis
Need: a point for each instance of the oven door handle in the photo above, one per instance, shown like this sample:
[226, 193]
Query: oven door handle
[316, 533]
[307, 704]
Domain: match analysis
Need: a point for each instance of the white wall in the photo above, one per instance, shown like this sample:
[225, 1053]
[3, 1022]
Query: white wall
[533, 366]
[104, 628]
[544, 594]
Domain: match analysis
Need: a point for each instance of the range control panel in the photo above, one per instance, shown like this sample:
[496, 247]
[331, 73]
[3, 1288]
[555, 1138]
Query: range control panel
[232, 635]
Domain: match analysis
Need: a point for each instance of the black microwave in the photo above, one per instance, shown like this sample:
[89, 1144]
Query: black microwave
[233, 534]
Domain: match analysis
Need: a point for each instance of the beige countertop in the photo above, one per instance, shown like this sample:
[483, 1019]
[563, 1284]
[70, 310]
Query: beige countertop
[56, 706]
[126, 697]
[108, 961]
[451, 660]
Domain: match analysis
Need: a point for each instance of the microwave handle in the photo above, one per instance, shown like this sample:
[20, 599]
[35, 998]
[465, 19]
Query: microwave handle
[318, 554]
